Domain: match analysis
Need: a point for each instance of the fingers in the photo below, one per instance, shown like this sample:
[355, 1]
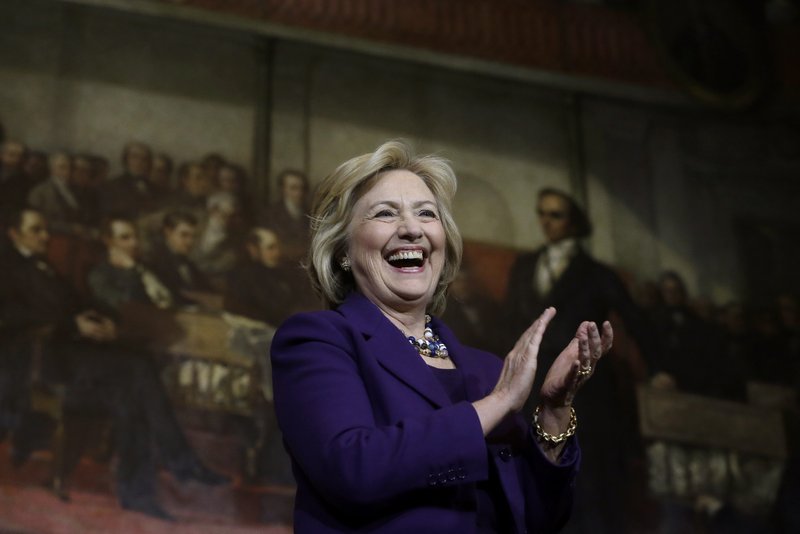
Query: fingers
[578, 362]
[608, 337]
[520, 366]
[598, 345]
[539, 326]
[595, 345]
[584, 352]
[533, 335]
[589, 351]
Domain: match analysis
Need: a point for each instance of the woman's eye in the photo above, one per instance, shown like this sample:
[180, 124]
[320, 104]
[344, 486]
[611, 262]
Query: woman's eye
[383, 213]
[428, 214]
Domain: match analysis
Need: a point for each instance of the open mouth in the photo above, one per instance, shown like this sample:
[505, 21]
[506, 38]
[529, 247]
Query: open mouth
[404, 259]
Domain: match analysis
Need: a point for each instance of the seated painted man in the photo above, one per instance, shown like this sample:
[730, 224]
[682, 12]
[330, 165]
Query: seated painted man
[121, 278]
[261, 287]
[60, 200]
[131, 193]
[266, 290]
[100, 373]
[170, 259]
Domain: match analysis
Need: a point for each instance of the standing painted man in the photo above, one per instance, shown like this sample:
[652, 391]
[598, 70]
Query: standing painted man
[563, 275]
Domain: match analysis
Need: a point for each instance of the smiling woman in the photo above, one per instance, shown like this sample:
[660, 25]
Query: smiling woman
[396, 245]
[391, 423]
[333, 215]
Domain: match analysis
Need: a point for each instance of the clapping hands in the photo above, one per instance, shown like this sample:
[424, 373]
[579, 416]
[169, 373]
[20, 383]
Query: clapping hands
[573, 367]
[576, 364]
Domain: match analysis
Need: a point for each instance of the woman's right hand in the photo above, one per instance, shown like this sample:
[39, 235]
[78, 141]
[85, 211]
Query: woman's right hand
[519, 369]
[516, 378]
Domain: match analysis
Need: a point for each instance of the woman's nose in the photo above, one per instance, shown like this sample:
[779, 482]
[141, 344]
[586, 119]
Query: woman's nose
[410, 228]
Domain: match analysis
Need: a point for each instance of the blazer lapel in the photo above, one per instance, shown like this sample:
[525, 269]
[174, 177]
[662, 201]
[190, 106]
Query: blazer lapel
[392, 350]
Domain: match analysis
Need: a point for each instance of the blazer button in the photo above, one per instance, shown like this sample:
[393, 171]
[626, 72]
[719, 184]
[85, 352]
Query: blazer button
[505, 454]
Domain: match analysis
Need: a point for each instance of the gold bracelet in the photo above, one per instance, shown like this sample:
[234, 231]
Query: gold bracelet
[549, 438]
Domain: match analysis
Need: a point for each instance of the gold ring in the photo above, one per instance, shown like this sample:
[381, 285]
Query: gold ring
[585, 371]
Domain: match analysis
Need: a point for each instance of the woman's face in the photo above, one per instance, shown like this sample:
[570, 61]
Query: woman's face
[397, 242]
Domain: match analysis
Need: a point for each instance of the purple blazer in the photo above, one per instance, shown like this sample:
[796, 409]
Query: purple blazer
[378, 446]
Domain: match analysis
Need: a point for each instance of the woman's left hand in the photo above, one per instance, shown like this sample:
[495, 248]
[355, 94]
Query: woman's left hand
[575, 365]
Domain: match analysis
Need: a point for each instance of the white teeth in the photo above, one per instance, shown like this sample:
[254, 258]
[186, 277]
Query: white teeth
[406, 255]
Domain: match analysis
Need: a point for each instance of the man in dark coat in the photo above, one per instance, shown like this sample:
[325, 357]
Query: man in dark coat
[82, 352]
[121, 278]
[170, 260]
[59, 200]
[131, 193]
[563, 275]
[264, 289]
[260, 288]
[289, 215]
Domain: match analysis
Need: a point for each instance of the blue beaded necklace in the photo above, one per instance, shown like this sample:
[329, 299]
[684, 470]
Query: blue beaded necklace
[429, 344]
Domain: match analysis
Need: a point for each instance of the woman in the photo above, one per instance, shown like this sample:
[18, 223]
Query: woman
[392, 424]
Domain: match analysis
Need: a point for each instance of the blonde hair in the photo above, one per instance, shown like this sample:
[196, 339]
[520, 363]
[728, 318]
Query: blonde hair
[332, 210]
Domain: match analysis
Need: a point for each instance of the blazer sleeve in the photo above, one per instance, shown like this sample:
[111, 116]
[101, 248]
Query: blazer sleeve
[328, 422]
[549, 487]
[546, 488]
